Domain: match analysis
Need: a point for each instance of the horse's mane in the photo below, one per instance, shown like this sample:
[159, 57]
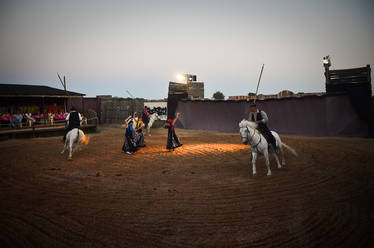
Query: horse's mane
[245, 123]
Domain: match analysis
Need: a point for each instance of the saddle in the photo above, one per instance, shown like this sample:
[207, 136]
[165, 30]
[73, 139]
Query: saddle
[264, 131]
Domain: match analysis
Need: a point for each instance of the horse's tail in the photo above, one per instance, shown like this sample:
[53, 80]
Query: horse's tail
[86, 139]
[290, 149]
[83, 138]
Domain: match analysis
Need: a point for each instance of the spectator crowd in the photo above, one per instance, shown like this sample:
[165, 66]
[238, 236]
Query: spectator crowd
[23, 119]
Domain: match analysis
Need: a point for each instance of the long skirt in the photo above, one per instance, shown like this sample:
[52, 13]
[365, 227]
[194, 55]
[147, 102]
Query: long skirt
[173, 140]
[129, 145]
[139, 139]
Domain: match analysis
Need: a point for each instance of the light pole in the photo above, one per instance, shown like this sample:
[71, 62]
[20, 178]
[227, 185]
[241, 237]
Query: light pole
[327, 63]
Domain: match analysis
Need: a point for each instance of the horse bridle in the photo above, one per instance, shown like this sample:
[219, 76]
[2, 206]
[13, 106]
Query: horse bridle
[251, 138]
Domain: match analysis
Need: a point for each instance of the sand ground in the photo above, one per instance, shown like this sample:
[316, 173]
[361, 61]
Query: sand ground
[201, 195]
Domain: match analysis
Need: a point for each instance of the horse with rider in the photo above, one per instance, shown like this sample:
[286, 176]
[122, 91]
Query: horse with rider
[73, 134]
[256, 133]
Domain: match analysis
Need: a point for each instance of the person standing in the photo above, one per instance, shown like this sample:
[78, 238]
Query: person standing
[129, 145]
[261, 118]
[139, 137]
[173, 140]
[145, 116]
[30, 119]
[17, 120]
[73, 119]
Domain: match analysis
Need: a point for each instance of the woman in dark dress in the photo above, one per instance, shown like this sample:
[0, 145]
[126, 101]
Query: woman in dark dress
[139, 137]
[129, 146]
[173, 140]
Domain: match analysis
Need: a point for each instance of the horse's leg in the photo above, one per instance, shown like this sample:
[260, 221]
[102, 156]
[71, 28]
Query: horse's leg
[281, 152]
[70, 149]
[280, 148]
[76, 144]
[275, 153]
[65, 144]
[266, 154]
[254, 158]
[150, 123]
[75, 147]
[277, 159]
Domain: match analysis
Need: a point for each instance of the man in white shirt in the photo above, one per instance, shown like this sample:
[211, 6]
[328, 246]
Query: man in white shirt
[261, 118]
[74, 119]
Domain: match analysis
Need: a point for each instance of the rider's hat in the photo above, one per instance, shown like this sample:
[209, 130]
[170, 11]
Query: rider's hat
[252, 104]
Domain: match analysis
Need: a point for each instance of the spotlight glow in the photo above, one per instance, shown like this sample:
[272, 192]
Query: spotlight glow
[181, 77]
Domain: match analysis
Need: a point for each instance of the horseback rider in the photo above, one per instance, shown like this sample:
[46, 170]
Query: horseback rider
[74, 119]
[145, 116]
[261, 118]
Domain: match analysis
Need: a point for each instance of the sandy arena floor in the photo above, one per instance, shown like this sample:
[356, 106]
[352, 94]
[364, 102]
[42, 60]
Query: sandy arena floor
[202, 195]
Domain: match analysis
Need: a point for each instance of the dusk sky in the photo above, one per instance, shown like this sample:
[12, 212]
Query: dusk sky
[108, 47]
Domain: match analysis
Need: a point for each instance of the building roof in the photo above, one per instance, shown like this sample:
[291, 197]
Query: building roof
[23, 90]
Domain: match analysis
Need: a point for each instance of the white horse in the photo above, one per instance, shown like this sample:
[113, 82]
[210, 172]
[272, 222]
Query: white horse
[152, 118]
[259, 145]
[73, 138]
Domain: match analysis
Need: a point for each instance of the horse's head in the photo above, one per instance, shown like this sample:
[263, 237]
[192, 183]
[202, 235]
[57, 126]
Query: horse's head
[245, 128]
[154, 116]
[243, 132]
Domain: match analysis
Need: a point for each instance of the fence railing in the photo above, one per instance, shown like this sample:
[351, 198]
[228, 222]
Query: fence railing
[45, 123]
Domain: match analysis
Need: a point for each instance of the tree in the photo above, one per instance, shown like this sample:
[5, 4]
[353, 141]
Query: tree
[251, 94]
[218, 96]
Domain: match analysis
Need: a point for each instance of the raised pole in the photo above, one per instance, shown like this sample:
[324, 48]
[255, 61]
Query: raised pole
[258, 83]
[68, 99]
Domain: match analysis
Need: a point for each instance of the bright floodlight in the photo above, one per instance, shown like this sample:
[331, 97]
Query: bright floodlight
[326, 60]
[181, 77]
